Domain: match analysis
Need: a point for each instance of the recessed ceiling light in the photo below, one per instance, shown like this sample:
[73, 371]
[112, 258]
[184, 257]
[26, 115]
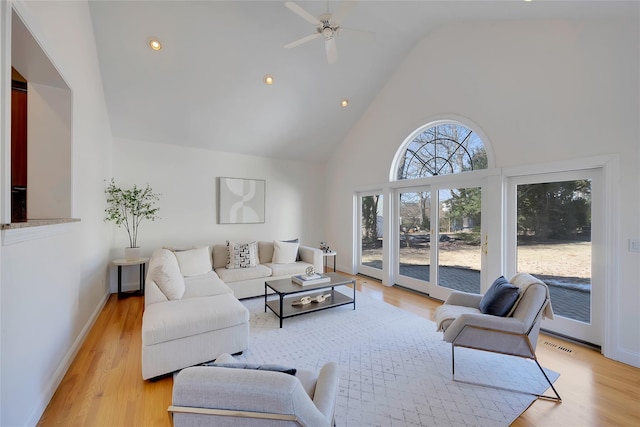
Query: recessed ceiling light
[268, 79]
[344, 103]
[155, 44]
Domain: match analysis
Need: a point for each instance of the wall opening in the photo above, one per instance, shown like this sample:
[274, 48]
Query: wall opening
[46, 161]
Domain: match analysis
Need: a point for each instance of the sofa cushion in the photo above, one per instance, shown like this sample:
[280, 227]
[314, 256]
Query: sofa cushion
[499, 298]
[187, 317]
[265, 252]
[294, 241]
[288, 269]
[220, 254]
[165, 271]
[236, 275]
[204, 285]
[242, 255]
[179, 248]
[194, 262]
[284, 252]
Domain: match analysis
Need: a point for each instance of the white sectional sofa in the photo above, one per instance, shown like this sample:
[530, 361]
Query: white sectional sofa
[192, 316]
[249, 282]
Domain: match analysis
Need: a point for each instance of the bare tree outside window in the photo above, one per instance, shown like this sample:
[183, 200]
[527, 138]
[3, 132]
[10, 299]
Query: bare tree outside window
[441, 150]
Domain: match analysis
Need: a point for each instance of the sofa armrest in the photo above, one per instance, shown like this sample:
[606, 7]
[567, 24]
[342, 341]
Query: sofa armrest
[327, 390]
[508, 325]
[312, 256]
[152, 293]
[465, 299]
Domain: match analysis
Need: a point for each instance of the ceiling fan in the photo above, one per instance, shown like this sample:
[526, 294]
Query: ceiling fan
[327, 26]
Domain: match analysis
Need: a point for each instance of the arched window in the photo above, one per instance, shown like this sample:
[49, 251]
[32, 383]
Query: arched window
[441, 149]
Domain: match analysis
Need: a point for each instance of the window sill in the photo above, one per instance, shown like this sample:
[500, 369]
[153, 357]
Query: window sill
[35, 229]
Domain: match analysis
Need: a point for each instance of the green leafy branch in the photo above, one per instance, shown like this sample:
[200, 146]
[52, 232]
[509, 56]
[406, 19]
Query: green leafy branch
[129, 207]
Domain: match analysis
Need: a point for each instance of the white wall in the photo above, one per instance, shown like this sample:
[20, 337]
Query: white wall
[52, 287]
[49, 152]
[541, 91]
[186, 180]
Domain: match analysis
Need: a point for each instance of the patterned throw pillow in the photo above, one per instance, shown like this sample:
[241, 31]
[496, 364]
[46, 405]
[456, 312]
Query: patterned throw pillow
[242, 255]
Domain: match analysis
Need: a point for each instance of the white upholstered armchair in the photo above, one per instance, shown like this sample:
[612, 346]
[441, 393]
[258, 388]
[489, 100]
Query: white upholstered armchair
[464, 320]
[223, 396]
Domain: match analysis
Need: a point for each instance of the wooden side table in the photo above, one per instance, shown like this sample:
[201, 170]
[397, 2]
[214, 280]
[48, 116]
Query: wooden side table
[327, 255]
[122, 262]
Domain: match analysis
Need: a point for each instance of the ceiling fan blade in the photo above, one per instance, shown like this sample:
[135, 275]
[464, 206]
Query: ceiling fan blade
[332, 50]
[359, 34]
[302, 13]
[343, 10]
[302, 40]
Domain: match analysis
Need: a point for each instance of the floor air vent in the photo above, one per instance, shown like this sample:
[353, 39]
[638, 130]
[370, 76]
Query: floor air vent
[559, 347]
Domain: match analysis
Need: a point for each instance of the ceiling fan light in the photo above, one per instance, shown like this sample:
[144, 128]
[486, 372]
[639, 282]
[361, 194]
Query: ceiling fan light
[155, 44]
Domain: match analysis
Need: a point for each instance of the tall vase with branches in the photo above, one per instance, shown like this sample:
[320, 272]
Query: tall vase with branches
[128, 207]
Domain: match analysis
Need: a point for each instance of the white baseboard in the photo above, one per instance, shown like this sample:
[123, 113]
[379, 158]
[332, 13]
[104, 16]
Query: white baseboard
[64, 365]
[625, 356]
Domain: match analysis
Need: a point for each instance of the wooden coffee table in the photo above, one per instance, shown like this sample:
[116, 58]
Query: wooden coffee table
[288, 292]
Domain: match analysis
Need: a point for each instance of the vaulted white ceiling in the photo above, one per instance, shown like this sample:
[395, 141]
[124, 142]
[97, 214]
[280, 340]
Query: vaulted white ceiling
[205, 87]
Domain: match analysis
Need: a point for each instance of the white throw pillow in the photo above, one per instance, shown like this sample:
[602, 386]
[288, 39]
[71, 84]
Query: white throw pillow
[242, 255]
[165, 271]
[284, 252]
[194, 262]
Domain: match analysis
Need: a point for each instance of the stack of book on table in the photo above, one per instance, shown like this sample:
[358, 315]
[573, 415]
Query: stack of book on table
[314, 279]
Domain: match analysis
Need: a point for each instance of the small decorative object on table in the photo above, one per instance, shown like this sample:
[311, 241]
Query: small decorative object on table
[302, 301]
[310, 278]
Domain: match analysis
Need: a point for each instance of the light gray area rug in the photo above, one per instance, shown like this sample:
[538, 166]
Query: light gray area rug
[395, 370]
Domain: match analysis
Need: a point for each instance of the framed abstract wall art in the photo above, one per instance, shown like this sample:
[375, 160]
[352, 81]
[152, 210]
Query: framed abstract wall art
[241, 201]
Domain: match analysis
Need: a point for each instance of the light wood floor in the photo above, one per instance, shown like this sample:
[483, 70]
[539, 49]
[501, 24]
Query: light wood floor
[104, 386]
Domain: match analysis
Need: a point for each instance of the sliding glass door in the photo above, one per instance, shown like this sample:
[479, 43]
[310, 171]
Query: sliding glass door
[414, 239]
[371, 235]
[555, 235]
[441, 228]
[459, 235]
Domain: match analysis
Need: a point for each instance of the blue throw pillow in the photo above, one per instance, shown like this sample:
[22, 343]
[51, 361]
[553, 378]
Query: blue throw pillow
[499, 298]
[264, 367]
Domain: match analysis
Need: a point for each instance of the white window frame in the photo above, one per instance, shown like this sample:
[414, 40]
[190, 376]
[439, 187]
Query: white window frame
[610, 166]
